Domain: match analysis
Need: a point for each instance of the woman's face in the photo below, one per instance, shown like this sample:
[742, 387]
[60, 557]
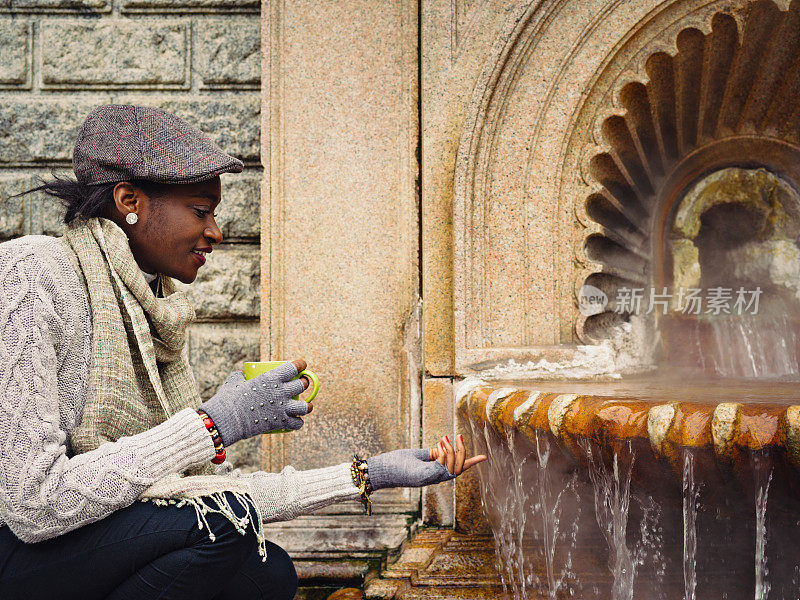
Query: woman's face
[175, 229]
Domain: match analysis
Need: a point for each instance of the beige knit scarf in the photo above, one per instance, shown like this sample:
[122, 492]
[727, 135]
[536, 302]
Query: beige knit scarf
[139, 375]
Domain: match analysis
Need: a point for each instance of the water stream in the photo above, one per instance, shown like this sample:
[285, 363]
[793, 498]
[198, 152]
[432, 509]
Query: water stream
[753, 347]
[689, 526]
[552, 491]
[611, 505]
[643, 486]
[763, 478]
[507, 527]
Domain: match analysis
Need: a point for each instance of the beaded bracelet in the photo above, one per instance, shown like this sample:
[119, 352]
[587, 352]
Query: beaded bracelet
[215, 437]
[360, 475]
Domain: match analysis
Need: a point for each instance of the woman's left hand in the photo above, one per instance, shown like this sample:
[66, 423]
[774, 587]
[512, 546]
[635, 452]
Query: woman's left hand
[455, 461]
[420, 466]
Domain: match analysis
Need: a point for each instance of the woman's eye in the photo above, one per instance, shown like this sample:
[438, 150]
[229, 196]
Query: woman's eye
[201, 213]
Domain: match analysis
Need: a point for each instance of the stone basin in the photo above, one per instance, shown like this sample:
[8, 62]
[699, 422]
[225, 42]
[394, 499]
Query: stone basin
[726, 419]
[599, 477]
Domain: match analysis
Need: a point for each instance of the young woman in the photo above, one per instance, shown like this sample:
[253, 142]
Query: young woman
[113, 482]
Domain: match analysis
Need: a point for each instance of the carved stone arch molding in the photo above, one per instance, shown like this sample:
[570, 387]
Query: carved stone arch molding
[536, 214]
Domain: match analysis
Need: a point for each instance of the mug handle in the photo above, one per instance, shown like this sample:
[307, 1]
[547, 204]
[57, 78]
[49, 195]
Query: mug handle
[314, 384]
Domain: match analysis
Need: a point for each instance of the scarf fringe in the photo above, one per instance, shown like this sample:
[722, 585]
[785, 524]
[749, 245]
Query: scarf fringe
[202, 507]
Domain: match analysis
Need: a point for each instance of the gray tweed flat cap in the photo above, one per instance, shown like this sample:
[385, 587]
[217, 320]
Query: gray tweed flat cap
[120, 142]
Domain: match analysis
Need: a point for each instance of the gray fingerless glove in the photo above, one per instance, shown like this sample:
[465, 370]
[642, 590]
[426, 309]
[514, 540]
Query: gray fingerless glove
[241, 409]
[405, 468]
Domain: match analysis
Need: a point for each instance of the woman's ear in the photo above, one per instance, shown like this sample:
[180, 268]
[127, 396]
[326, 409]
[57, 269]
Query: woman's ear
[127, 198]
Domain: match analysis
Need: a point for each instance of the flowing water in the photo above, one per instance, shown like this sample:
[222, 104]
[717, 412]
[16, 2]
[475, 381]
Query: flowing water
[530, 526]
[763, 478]
[689, 527]
[567, 528]
[508, 526]
[611, 505]
[552, 493]
[753, 347]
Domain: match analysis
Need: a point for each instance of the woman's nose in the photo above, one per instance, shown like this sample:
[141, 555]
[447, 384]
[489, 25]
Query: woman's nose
[213, 232]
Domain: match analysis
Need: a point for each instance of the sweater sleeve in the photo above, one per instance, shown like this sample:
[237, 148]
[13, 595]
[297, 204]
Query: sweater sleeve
[44, 492]
[291, 493]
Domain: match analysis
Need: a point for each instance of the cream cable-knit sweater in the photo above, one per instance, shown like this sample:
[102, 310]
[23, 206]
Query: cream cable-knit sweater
[45, 350]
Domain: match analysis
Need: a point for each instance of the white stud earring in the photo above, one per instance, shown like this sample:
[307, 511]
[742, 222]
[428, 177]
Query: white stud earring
[131, 218]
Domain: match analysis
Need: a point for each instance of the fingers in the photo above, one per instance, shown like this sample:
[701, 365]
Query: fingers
[305, 380]
[294, 388]
[447, 456]
[454, 460]
[300, 365]
[284, 372]
[461, 455]
[296, 408]
[294, 423]
[310, 408]
[450, 455]
[474, 461]
[441, 455]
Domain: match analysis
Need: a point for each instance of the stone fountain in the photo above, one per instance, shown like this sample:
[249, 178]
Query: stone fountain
[661, 458]
[611, 271]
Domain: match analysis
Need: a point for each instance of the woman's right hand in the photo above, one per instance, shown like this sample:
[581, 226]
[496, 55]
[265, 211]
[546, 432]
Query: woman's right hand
[241, 409]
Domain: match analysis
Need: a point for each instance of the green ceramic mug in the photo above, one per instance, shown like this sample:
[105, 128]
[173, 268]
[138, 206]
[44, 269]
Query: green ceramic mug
[254, 369]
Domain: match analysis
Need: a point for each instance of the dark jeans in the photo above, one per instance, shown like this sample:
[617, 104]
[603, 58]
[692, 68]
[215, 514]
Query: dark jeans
[146, 552]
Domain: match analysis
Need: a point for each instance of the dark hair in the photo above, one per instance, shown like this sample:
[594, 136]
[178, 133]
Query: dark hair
[86, 201]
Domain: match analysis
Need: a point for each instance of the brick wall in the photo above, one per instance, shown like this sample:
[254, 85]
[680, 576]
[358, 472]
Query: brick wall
[196, 58]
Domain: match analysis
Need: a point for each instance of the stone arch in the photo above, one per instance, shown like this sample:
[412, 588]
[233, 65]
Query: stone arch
[549, 113]
[723, 99]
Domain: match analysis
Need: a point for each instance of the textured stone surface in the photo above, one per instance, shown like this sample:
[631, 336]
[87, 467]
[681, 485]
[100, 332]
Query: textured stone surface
[323, 576]
[217, 349]
[346, 594]
[342, 282]
[229, 51]
[114, 53]
[15, 66]
[658, 420]
[50, 216]
[12, 210]
[438, 563]
[338, 534]
[227, 285]
[470, 517]
[522, 172]
[42, 213]
[437, 420]
[456, 39]
[38, 128]
[238, 212]
[82, 6]
[191, 5]
[246, 455]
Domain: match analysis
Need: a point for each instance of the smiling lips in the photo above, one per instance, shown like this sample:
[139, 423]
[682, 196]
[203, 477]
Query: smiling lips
[200, 255]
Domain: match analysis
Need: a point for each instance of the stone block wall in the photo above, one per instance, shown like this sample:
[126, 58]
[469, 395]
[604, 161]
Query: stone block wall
[197, 58]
